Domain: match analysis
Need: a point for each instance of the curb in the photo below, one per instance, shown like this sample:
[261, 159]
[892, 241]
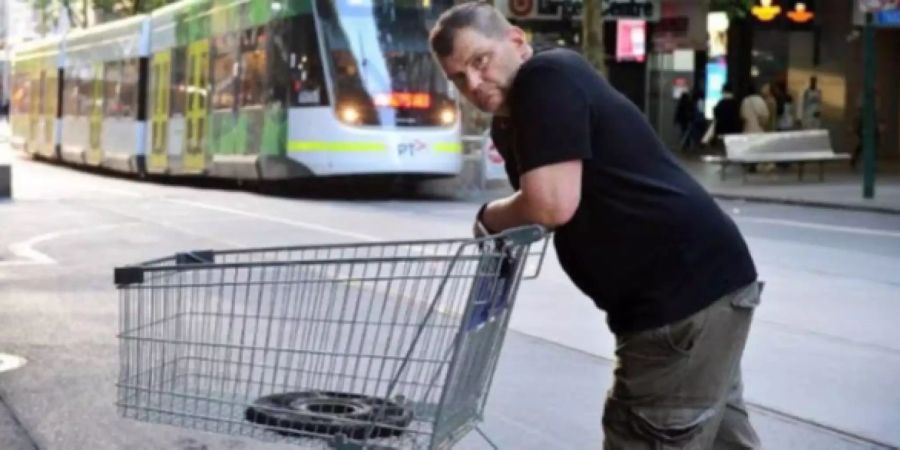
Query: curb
[810, 203]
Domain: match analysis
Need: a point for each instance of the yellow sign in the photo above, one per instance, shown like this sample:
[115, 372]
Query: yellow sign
[766, 11]
[800, 14]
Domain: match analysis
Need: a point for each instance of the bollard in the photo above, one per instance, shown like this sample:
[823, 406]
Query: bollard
[5, 169]
[5, 180]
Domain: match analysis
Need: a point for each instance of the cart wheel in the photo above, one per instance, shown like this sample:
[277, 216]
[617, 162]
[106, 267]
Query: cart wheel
[330, 413]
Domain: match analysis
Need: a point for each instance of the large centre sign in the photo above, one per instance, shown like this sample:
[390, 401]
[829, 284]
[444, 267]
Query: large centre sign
[648, 10]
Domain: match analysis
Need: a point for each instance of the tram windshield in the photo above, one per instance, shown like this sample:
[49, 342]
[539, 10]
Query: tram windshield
[381, 69]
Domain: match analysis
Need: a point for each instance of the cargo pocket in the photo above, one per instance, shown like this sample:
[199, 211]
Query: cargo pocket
[673, 340]
[654, 427]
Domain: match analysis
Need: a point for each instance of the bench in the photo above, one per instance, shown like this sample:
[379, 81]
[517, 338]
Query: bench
[795, 147]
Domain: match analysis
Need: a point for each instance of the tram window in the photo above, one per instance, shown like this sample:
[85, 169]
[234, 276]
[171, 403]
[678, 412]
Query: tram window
[71, 86]
[51, 98]
[86, 89]
[128, 89]
[112, 83]
[295, 50]
[22, 93]
[178, 86]
[253, 66]
[224, 71]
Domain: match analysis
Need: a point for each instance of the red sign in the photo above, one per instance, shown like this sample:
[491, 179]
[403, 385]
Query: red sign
[521, 8]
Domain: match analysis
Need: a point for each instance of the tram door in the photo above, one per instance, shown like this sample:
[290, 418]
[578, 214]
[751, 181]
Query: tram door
[159, 115]
[197, 105]
[95, 152]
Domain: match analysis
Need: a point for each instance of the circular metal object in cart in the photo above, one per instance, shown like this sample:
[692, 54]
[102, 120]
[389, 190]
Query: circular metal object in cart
[10, 362]
[330, 413]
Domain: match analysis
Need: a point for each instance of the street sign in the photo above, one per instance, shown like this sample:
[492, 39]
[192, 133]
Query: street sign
[648, 10]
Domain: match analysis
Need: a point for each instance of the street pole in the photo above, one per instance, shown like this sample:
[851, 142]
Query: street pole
[592, 34]
[868, 119]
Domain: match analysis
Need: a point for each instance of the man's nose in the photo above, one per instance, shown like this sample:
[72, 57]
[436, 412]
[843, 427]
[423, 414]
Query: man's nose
[473, 80]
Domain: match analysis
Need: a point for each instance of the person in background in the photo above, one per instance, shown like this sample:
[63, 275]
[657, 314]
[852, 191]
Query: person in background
[785, 120]
[769, 95]
[689, 118]
[684, 117]
[755, 115]
[754, 111]
[811, 106]
[727, 114]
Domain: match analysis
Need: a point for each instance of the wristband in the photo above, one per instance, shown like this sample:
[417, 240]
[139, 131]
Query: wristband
[480, 217]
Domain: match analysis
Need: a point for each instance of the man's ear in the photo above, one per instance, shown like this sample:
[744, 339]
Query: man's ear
[518, 37]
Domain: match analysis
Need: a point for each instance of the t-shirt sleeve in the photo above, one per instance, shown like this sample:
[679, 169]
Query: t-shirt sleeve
[551, 117]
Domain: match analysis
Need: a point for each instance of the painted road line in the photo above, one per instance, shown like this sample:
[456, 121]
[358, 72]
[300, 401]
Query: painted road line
[293, 223]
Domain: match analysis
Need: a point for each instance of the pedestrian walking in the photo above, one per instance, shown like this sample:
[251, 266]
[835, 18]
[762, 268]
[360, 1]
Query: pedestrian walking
[633, 231]
[727, 115]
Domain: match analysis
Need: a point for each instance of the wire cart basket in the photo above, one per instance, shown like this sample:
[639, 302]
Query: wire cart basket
[358, 346]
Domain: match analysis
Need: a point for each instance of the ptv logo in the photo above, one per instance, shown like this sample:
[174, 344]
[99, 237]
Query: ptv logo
[411, 148]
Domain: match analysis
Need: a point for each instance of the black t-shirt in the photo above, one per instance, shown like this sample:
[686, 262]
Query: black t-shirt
[646, 243]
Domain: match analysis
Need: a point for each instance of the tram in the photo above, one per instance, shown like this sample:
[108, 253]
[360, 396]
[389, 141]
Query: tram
[245, 89]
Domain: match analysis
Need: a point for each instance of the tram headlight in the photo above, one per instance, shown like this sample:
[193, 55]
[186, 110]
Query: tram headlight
[448, 116]
[349, 114]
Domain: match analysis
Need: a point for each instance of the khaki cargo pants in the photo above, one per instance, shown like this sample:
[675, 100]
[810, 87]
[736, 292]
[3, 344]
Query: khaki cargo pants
[679, 386]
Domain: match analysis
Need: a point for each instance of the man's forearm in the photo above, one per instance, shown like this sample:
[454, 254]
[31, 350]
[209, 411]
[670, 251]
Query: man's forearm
[510, 212]
[505, 213]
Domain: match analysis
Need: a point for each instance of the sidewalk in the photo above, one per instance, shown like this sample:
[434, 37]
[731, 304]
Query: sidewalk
[842, 187]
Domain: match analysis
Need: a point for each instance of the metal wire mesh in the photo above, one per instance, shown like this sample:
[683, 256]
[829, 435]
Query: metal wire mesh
[387, 343]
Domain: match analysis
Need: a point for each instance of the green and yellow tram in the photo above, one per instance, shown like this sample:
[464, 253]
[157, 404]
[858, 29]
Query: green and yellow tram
[252, 89]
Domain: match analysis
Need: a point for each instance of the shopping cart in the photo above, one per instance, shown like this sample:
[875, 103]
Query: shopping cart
[363, 346]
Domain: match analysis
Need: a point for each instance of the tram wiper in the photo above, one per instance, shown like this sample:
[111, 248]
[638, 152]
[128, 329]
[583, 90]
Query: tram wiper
[365, 60]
